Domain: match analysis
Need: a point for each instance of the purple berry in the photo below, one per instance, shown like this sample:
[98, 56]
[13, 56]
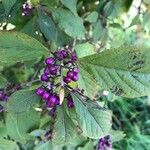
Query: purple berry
[64, 53]
[67, 80]
[53, 70]
[70, 102]
[59, 55]
[54, 99]
[74, 57]
[76, 70]
[50, 61]
[75, 78]
[70, 74]
[5, 98]
[47, 71]
[40, 91]
[46, 96]
[44, 77]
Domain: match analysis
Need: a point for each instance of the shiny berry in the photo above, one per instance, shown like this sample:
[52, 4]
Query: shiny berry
[46, 96]
[53, 70]
[54, 99]
[70, 74]
[40, 91]
[47, 71]
[75, 78]
[44, 77]
[70, 102]
[67, 80]
[64, 53]
[50, 61]
[74, 57]
[76, 70]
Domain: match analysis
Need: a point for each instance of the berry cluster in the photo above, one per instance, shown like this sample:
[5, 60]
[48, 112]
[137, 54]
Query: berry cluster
[6, 93]
[105, 143]
[27, 8]
[59, 71]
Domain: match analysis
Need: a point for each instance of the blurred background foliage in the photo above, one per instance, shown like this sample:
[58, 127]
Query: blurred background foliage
[108, 23]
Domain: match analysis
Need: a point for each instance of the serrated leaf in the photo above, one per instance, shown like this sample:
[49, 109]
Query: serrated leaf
[117, 135]
[3, 82]
[71, 4]
[124, 71]
[22, 101]
[8, 145]
[8, 4]
[17, 47]
[64, 128]
[70, 24]
[84, 49]
[94, 122]
[87, 82]
[19, 125]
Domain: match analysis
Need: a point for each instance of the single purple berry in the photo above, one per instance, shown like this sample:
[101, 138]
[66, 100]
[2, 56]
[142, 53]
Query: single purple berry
[59, 55]
[70, 74]
[46, 96]
[50, 61]
[54, 99]
[76, 70]
[75, 78]
[5, 98]
[70, 102]
[53, 70]
[44, 77]
[46, 70]
[64, 53]
[74, 57]
[67, 80]
[40, 91]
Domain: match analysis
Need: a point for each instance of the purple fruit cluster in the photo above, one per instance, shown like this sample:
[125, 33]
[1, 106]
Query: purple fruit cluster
[60, 70]
[27, 8]
[105, 143]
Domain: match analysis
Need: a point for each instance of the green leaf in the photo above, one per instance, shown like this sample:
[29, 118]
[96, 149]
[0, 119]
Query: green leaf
[64, 128]
[99, 32]
[117, 135]
[88, 146]
[124, 71]
[3, 130]
[8, 4]
[19, 125]
[44, 146]
[3, 82]
[22, 101]
[16, 47]
[94, 122]
[84, 49]
[70, 24]
[71, 4]
[47, 26]
[92, 17]
[8, 145]
[87, 83]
